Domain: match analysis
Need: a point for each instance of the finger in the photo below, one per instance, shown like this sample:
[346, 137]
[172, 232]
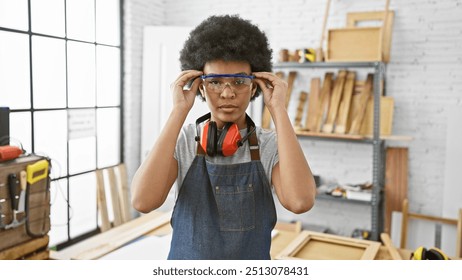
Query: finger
[266, 75]
[185, 77]
[266, 84]
[195, 85]
[271, 78]
[263, 84]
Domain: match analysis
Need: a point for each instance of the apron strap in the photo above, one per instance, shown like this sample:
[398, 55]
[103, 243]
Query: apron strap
[254, 148]
[253, 141]
[200, 150]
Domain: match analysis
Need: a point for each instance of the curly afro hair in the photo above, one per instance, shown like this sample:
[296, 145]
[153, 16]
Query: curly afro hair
[229, 38]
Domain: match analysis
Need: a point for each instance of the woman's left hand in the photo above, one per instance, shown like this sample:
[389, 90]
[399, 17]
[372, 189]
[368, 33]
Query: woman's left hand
[274, 89]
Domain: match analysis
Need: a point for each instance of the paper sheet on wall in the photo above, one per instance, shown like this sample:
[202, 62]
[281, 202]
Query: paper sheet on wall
[145, 248]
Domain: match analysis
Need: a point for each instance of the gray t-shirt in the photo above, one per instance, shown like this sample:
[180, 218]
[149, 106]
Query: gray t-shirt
[186, 148]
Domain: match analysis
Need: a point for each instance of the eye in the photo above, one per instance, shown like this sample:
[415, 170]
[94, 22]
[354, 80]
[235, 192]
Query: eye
[239, 81]
[215, 82]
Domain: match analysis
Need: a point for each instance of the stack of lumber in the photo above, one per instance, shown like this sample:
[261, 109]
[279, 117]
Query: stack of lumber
[342, 106]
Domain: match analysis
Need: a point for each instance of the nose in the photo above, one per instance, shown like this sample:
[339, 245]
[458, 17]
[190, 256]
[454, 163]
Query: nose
[228, 91]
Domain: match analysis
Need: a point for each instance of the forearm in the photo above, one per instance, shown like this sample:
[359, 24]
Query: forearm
[296, 187]
[154, 178]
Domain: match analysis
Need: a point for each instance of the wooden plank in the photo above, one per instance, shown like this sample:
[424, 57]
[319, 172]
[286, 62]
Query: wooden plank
[384, 254]
[341, 123]
[124, 192]
[387, 105]
[11, 237]
[337, 92]
[114, 197]
[319, 51]
[290, 83]
[433, 218]
[266, 119]
[354, 18]
[324, 101]
[360, 112]
[354, 44]
[41, 255]
[101, 201]
[106, 241]
[404, 222]
[313, 100]
[396, 181]
[459, 235]
[24, 249]
[391, 249]
[301, 104]
[122, 239]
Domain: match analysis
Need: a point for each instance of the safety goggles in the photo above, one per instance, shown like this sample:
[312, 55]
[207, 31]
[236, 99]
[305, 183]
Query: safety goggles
[216, 83]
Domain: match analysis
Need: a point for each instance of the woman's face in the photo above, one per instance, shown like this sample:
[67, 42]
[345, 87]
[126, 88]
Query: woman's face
[230, 103]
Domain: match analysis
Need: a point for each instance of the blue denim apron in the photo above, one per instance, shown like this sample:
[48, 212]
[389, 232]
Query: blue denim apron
[224, 211]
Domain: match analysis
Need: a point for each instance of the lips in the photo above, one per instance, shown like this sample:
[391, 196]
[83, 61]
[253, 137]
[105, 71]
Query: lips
[227, 106]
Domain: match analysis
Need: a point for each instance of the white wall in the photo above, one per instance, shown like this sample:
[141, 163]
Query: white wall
[137, 14]
[424, 76]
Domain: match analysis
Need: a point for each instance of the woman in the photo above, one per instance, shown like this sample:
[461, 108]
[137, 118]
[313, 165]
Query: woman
[224, 166]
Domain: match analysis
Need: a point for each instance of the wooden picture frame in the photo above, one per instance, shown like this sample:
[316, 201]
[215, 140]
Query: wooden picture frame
[309, 245]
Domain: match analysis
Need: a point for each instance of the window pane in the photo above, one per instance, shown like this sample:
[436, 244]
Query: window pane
[108, 76]
[108, 132]
[13, 14]
[108, 22]
[82, 155]
[49, 72]
[82, 198]
[58, 214]
[14, 70]
[20, 130]
[51, 139]
[81, 74]
[81, 20]
[48, 17]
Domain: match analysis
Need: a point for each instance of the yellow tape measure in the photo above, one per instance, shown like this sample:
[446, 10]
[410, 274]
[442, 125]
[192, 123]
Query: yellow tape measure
[37, 171]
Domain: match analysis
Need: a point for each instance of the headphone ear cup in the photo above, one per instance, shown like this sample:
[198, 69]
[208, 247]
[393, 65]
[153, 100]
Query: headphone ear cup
[222, 137]
[419, 254]
[212, 139]
[436, 254]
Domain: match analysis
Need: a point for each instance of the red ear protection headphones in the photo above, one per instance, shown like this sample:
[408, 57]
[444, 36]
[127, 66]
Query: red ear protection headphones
[227, 142]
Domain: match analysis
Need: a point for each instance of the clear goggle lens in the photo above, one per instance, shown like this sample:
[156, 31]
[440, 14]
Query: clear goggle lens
[217, 83]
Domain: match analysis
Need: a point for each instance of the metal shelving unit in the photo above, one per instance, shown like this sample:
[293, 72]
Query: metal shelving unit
[378, 144]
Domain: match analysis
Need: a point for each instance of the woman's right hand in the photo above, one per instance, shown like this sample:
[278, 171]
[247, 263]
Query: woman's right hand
[184, 98]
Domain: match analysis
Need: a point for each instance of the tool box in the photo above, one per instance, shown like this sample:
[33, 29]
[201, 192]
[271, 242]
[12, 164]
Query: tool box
[24, 208]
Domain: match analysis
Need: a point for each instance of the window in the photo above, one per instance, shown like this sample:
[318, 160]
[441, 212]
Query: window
[60, 75]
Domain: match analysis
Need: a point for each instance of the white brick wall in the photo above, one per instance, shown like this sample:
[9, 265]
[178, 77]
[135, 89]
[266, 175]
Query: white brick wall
[424, 76]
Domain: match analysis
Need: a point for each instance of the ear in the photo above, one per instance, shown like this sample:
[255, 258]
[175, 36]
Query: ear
[253, 89]
[202, 89]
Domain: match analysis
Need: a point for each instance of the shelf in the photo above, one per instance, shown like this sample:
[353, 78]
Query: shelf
[342, 199]
[333, 136]
[376, 140]
[366, 64]
[354, 138]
